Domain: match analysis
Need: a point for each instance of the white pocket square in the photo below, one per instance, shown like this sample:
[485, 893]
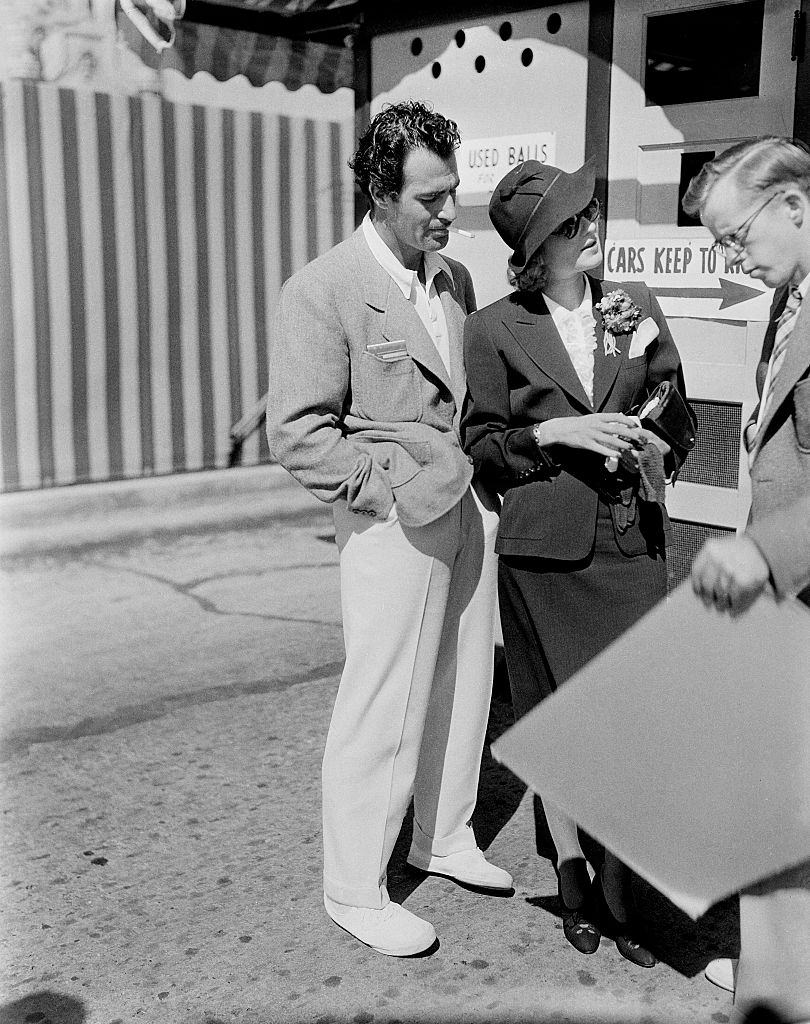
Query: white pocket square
[646, 332]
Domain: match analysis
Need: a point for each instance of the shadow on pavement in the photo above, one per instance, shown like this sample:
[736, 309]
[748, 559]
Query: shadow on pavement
[499, 795]
[687, 945]
[43, 1008]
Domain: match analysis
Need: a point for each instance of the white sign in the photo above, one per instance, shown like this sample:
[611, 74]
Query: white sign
[688, 278]
[697, 831]
[483, 162]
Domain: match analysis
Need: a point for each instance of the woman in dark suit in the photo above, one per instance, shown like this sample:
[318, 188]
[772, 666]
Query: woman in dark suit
[553, 370]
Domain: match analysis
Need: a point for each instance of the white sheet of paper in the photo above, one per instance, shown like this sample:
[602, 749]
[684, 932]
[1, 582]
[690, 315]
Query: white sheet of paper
[684, 747]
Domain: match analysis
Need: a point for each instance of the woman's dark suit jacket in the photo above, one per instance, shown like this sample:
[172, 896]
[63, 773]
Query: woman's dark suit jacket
[518, 374]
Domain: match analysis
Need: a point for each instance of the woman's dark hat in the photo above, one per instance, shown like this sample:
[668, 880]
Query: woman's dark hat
[532, 200]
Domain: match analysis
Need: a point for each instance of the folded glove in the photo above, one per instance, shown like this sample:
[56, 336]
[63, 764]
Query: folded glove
[652, 476]
[650, 485]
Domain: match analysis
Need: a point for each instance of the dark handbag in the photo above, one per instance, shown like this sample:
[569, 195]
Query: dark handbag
[667, 414]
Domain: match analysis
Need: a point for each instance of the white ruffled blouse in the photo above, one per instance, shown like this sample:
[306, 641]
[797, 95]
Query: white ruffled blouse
[577, 328]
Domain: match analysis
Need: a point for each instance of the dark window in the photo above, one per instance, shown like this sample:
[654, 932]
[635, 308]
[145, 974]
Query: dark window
[480, 64]
[690, 165]
[505, 31]
[554, 23]
[416, 46]
[436, 70]
[712, 53]
[460, 38]
[526, 57]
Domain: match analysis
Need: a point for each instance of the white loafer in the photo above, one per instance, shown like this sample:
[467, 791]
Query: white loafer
[720, 972]
[468, 866]
[393, 930]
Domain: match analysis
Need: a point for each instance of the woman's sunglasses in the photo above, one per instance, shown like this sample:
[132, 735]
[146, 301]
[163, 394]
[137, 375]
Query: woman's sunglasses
[570, 227]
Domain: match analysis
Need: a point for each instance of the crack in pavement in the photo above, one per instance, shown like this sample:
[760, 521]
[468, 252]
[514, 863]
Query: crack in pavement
[215, 577]
[207, 605]
[17, 743]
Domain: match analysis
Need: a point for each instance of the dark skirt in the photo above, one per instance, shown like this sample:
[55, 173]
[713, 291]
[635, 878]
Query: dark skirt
[557, 616]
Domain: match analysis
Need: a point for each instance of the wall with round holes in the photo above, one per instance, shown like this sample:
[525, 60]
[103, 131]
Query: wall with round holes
[510, 74]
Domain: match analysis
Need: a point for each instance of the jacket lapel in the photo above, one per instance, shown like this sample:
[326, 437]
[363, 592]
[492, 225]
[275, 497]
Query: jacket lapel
[797, 359]
[399, 319]
[455, 317]
[402, 323]
[605, 367]
[534, 330]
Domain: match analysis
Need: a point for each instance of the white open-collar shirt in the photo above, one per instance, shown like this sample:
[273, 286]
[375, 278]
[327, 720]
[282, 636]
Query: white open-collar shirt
[424, 298]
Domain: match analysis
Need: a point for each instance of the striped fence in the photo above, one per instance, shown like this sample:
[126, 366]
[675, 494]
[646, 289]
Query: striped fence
[142, 247]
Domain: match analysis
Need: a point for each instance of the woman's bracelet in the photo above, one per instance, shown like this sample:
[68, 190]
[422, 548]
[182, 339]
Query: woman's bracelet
[543, 450]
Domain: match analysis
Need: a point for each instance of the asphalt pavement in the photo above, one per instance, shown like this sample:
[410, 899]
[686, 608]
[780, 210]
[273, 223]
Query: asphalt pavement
[171, 651]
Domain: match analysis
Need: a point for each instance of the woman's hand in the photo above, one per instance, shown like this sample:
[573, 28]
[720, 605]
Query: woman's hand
[630, 459]
[606, 433]
[659, 442]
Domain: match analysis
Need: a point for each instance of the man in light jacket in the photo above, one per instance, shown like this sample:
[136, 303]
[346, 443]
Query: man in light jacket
[366, 388]
[755, 199]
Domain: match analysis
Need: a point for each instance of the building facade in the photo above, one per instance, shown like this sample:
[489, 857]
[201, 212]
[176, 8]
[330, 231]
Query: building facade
[144, 237]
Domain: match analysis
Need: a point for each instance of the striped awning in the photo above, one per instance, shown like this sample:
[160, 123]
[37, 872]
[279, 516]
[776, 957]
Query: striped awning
[226, 50]
[225, 53]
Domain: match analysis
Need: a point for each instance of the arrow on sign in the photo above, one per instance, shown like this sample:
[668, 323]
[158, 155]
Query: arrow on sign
[731, 293]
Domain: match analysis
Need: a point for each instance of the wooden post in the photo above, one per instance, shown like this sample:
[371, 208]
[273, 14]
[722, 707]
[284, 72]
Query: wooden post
[362, 103]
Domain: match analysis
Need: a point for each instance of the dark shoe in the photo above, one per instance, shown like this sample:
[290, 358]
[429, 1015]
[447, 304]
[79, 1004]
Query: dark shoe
[578, 926]
[583, 934]
[633, 951]
[622, 932]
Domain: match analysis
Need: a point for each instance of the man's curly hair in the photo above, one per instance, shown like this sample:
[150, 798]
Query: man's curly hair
[393, 133]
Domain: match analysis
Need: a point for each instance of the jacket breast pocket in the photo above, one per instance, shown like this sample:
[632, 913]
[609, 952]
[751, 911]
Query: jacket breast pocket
[801, 414]
[387, 390]
[636, 365]
[633, 378]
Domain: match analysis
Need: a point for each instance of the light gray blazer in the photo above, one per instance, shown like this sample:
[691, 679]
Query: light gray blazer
[348, 424]
[780, 472]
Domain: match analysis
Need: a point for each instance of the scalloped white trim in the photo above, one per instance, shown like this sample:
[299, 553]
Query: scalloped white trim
[238, 93]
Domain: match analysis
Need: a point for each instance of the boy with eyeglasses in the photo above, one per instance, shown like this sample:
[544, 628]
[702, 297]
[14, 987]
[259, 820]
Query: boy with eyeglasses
[755, 199]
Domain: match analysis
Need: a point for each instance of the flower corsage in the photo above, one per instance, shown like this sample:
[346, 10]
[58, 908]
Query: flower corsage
[620, 315]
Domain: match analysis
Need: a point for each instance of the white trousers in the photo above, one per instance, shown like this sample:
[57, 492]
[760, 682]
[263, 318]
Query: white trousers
[410, 717]
[774, 965]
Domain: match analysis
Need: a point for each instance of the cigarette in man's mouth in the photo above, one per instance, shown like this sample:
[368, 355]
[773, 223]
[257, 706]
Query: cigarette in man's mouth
[461, 231]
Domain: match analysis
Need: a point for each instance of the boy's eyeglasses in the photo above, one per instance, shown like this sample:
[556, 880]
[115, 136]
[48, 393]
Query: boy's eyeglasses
[570, 227]
[734, 242]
